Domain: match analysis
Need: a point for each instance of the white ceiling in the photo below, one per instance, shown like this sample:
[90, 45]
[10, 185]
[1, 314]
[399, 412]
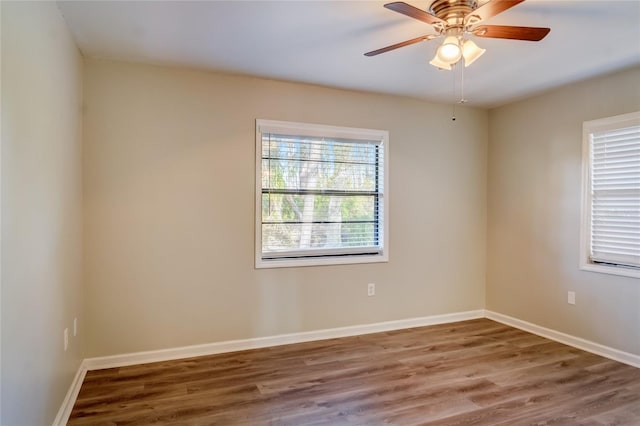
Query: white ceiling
[323, 42]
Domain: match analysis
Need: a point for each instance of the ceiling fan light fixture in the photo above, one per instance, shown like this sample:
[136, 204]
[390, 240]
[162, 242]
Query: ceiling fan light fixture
[436, 62]
[471, 52]
[449, 52]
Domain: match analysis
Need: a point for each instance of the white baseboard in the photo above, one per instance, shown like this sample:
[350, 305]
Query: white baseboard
[262, 342]
[567, 339]
[70, 398]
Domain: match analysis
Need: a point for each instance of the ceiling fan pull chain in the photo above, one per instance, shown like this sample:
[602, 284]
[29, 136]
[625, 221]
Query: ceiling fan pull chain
[453, 115]
[462, 86]
[462, 99]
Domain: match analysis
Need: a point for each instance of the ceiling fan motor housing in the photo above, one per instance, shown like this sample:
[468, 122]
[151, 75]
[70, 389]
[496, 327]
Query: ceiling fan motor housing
[453, 12]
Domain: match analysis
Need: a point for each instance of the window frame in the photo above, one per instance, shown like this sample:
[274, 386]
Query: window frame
[588, 128]
[320, 130]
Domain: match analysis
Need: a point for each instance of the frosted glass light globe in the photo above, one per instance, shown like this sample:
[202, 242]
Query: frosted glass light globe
[450, 51]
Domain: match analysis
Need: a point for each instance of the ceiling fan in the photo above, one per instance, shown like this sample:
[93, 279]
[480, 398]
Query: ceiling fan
[455, 19]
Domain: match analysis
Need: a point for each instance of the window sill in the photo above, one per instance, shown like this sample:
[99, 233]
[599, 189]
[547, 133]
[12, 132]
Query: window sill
[326, 261]
[612, 270]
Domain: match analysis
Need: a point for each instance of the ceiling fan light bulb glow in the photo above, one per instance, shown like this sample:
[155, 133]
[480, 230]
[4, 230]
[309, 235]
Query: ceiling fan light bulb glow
[450, 51]
[471, 52]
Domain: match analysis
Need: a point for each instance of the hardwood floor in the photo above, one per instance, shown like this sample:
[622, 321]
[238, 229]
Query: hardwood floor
[475, 372]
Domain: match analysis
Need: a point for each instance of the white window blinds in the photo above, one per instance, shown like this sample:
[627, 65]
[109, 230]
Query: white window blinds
[321, 193]
[615, 196]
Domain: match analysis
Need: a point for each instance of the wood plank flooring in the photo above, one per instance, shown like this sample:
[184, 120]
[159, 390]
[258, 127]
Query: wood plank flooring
[475, 372]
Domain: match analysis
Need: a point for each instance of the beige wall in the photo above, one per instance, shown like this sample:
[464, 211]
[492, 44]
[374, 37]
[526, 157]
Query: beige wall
[169, 203]
[41, 211]
[534, 188]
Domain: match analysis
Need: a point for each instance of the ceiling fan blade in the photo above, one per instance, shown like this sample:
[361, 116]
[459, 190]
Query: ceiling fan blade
[513, 33]
[491, 8]
[402, 44]
[413, 12]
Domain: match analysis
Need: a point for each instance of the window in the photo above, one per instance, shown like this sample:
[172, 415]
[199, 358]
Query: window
[611, 195]
[321, 195]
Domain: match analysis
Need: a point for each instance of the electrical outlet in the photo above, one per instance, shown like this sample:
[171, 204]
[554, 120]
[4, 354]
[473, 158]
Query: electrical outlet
[75, 327]
[571, 297]
[371, 289]
[66, 339]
